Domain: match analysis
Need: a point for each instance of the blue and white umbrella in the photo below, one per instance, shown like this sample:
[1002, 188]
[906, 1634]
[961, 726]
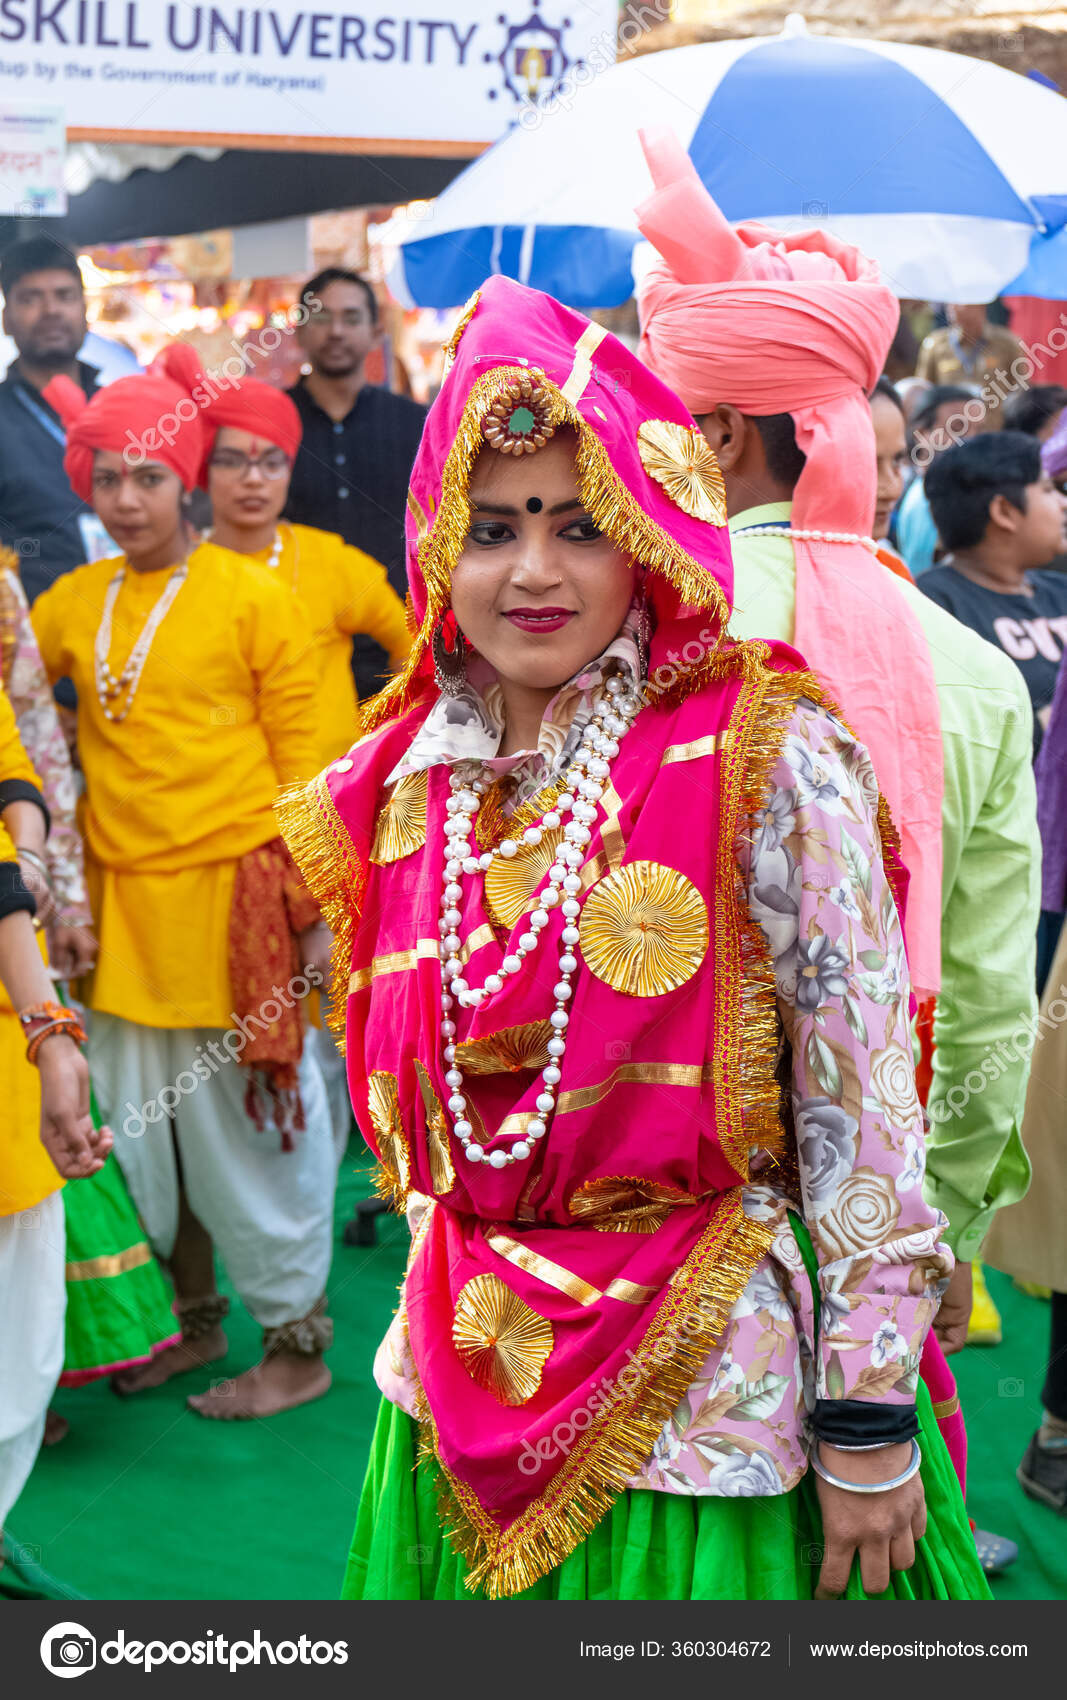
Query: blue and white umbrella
[941, 167]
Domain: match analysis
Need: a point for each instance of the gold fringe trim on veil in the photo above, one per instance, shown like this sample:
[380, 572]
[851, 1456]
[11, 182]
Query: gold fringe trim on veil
[322, 849]
[702, 1293]
[618, 1441]
[690, 1319]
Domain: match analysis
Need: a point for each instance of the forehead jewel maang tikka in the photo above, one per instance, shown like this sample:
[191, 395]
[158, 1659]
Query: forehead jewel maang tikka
[518, 421]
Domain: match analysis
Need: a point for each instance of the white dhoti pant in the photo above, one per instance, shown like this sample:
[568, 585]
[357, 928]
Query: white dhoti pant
[33, 1304]
[320, 1041]
[268, 1211]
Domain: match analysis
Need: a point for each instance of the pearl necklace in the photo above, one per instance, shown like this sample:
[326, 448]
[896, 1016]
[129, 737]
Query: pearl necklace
[614, 710]
[273, 559]
[800, 536]
[109, 686]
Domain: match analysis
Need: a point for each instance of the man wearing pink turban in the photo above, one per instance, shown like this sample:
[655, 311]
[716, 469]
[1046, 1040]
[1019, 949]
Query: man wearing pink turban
[771, 326]
[774, 343]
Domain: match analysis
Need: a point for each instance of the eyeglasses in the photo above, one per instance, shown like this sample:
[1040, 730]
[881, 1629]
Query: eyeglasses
[272, 465]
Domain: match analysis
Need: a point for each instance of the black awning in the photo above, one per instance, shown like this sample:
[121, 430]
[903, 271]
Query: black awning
[242, 186]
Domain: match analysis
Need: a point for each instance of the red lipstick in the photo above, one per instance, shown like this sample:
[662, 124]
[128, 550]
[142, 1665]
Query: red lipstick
[539, 619]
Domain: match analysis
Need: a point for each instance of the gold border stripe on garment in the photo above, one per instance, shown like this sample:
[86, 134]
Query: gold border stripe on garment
[629, 1292]
[943, 1408]
[564, 1280]
[634, 1074]
[396, 962]
[482, 935]
[709, 746]
[582, 370]
[401, 961]
[611, 832]
[118, 1263]
[517, 1123]
[610, 857]
[542, 1268]
[422, 524]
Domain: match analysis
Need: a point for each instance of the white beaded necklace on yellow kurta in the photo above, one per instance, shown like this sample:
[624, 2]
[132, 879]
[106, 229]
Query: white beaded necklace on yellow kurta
[109, 686]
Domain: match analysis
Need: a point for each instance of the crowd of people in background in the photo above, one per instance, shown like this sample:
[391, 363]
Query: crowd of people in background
[245, 587]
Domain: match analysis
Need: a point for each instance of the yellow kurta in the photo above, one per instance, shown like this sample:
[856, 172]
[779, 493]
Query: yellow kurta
[183, 787]
[26, 1172]
[342, 591]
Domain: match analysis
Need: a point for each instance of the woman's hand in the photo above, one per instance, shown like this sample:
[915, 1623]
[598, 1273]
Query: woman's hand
[954, 1312]
[71, 950]
[881, 1527]
[76, 1147]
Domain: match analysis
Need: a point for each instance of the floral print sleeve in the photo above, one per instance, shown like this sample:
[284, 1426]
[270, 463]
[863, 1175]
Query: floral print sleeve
[818, 888]
[35, 710]
[816, 885]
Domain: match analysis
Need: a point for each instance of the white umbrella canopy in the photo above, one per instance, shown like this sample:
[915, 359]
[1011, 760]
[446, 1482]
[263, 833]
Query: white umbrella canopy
[941, 167]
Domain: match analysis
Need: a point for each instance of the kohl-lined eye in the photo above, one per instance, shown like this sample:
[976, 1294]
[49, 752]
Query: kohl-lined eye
[582, 530]
[488, 532]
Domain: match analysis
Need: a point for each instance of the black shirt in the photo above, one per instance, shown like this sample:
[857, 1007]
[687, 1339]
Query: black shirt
[351, 476]
[38, 509]
[1032, 630]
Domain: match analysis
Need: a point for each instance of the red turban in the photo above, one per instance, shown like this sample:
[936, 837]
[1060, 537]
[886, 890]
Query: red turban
[246, 404]
[771, 323]
[148, 417]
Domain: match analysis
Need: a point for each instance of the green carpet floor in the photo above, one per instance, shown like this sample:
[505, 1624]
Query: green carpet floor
[145, 1500]
[1000, 1387]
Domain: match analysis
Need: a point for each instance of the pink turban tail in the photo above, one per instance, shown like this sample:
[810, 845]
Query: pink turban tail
[801, 325]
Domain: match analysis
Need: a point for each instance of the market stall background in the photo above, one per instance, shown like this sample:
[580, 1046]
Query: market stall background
[156, 222]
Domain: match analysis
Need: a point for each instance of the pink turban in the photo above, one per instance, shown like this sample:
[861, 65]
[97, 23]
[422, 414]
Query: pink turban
[801, 325]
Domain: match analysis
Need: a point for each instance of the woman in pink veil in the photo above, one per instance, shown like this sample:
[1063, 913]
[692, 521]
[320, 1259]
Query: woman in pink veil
[617, 939]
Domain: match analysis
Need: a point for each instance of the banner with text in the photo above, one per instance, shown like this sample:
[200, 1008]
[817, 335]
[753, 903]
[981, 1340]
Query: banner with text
[33, 152]
[448, 77]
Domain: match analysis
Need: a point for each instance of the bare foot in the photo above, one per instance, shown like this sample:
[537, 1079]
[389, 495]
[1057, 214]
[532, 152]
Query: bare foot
[176, 1360]
[277, 1384]
[56, 1428]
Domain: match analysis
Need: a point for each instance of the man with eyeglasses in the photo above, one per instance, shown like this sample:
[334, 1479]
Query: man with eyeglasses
[359, 440]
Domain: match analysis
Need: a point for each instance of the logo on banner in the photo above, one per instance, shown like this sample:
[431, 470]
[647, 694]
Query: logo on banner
[533, 58]
[68, 1650]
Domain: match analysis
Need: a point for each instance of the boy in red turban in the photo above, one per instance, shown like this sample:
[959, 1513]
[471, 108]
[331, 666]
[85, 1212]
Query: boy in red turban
[196, 685]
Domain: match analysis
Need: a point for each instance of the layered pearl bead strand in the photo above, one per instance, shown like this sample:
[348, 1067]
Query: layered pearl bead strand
[801, 536]
[586, 779]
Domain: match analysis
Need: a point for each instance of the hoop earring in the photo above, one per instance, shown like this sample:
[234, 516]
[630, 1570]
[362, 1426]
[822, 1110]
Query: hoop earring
[449, 657]
[643, 628]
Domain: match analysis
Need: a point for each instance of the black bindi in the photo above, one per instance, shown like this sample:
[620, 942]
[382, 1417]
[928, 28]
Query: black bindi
[534, 505]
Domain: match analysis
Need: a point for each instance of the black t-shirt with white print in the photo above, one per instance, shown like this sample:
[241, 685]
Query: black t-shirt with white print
[1032, 630]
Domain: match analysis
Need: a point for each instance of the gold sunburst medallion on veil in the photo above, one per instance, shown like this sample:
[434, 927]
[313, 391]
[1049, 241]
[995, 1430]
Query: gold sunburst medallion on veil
[685, 465]
[504, 1344]
[644, 929]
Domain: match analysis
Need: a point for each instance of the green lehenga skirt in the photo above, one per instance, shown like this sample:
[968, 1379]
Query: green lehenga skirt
[652, 1545]
[118, 1304]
